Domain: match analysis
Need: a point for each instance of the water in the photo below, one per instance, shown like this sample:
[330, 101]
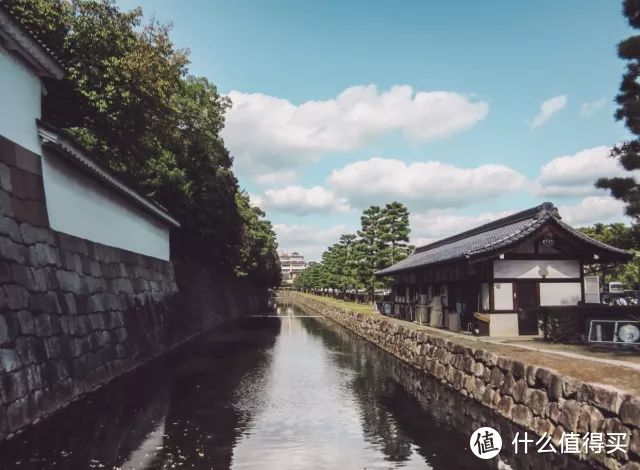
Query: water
[283, 392]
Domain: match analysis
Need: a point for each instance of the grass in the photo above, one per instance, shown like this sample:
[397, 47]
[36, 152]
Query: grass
[344, 304]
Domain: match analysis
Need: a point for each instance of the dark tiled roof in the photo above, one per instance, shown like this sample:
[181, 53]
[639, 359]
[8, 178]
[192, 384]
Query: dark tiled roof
[495, 236]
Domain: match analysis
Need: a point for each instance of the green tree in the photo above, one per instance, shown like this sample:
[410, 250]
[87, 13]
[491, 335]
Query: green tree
[628, 153]
[128, 99]
[621, 236]
[394, 230]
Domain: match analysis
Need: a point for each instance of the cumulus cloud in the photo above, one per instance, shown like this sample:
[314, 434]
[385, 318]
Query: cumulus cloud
[431, 226]
[276, 177]
[267, 133]
[575, 175]
[422, 185]
[548, 109]
[591, 107]
[308, 240]
[302, 201]
[593, 209]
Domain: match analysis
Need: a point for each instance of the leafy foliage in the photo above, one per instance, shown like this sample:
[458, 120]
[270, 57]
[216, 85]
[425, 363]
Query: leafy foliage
[128, 99]
[628, 153]
[352, 261]
[620, 236]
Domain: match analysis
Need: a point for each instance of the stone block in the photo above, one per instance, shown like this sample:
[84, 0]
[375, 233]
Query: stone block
[507, 385]
[13, 297]
[555, 387]
[538, 402]
[41, 254]
[602, 396]
[17, 414]
[26, 322]
[504, 364]
[28, 161]
[496, 378]
[34, 377]
[5, 271]
[522, 415]
[543, 376]
[630, 411]
[6, 335]
[31, 212]
[10, 228]
[53, 347]
[519, 391]
[32, 235]
[16, 385]
[5, 177]
[505, 405]
[542, 426]
[69, 281]
[9, 360]
[518, 369]
[5, 204]
[12, 251]
[569, 415]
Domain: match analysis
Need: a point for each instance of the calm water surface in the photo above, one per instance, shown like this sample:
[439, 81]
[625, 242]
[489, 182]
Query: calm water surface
[283, 392]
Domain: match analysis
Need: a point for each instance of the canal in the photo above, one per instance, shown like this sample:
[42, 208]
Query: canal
[283, 391]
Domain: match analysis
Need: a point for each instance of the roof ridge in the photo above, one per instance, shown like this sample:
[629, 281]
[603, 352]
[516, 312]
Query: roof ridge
[537, 212]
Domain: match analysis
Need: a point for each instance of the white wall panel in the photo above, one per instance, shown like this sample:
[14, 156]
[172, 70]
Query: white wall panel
[535, 269]
[81, 205]
[503, 296]
[20, 94]
[560, 293]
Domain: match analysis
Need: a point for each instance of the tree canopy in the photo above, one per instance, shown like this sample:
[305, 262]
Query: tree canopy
[351, 262]
[628, 153]
[129, 100]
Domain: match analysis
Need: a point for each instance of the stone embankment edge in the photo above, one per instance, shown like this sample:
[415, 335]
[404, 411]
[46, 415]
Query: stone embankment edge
[538, 399]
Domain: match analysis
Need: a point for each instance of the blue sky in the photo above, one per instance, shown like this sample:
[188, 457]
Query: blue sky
[447, 97]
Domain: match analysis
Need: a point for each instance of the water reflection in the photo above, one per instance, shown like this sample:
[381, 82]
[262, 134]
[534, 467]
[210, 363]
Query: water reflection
[269, 392]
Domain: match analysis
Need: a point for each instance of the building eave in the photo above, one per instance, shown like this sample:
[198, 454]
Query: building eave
[74, 154]
[21, 42]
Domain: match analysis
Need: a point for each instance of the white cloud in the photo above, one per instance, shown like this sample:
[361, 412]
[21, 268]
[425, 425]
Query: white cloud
[593, 209]
[267, 133]
[435, 225]
[422, 185]
[276, 177]
[308, 240]
[301, 201]
[591, 107]
[575, 175]
[548, 109]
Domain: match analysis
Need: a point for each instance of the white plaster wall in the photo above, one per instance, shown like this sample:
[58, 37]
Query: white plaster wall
[81, 205]
[534, 269]
[20, 95]
[560, 293]
[503, 296]
[503, 324]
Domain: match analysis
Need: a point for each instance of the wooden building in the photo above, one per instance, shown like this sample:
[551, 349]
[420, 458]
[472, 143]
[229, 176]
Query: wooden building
[498, 272]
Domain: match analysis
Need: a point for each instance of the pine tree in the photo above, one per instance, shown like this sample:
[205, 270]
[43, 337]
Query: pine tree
[628, 153]
[394, 230]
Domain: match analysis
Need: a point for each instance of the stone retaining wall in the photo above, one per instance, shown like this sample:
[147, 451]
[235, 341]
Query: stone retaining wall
[538, 399]
[75, 314]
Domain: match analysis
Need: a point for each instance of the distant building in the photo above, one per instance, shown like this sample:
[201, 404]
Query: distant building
[291, 265]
